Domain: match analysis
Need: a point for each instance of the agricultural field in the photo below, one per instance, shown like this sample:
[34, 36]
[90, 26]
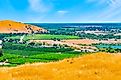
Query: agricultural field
[17, 54]
[15, 60]
[45, 37]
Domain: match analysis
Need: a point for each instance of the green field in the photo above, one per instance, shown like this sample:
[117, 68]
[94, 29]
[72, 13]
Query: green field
[15, 59]
[18, 57]
[17, 54]
[45, 37]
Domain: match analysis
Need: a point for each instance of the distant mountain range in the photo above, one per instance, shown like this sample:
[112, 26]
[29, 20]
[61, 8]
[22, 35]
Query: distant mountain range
[8, 26]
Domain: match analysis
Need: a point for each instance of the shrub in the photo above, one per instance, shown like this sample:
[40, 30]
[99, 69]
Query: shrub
[1, 52]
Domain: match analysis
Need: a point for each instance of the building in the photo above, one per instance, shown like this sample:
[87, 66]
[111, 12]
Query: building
[0, 44]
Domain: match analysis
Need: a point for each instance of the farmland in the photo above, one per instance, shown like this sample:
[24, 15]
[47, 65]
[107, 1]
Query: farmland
[16, 54]
[15, 60]
[31, 52]
[45, 37]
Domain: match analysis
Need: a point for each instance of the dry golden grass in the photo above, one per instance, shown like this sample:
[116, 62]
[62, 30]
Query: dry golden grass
[99, 66]
[8, 26]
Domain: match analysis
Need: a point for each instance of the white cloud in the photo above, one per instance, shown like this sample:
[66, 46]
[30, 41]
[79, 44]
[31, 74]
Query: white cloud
[111, 11]
[38, 6]
[62, 12]
[97, 2]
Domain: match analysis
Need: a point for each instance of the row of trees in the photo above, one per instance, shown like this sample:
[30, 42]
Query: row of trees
[110, 50]
[11, 34]
[12, 46]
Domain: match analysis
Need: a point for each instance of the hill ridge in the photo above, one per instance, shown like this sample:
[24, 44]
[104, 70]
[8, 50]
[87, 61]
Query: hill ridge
[9, 26]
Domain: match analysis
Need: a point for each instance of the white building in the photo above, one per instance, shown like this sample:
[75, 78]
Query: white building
[0, 44]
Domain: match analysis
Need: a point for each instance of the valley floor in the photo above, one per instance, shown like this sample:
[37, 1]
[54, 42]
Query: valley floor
[97, 66]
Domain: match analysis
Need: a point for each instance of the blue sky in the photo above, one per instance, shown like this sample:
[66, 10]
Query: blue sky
[61, 10]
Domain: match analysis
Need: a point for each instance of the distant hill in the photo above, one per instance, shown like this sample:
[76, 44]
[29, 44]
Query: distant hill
[8, 26]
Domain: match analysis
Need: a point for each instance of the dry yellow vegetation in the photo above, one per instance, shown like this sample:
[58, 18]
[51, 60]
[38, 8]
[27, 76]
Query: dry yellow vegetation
[8, 26]
[97, 66]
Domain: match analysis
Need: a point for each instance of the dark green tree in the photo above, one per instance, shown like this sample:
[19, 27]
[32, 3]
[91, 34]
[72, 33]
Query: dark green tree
[1, 52]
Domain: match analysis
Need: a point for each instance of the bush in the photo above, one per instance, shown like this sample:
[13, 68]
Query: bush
[1, 52]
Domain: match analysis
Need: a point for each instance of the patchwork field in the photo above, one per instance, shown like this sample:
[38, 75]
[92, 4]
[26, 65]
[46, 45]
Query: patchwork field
[98, 66]
[72, 43]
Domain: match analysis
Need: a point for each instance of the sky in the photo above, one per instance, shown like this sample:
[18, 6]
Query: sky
[61, 11]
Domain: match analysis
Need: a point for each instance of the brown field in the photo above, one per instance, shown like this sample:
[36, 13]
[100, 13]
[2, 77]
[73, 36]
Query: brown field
[81, 41]
[71, 43]
[91, 41]
[98, 66]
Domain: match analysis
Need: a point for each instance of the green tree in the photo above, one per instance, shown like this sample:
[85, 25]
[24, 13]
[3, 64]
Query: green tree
[1, 52]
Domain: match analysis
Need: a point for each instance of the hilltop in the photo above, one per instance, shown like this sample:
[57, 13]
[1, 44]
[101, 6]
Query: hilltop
[8, 26]
[97, 66]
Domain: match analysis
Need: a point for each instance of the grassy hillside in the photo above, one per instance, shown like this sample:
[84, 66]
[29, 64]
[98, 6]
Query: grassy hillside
[100, 66]
[8, 26]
